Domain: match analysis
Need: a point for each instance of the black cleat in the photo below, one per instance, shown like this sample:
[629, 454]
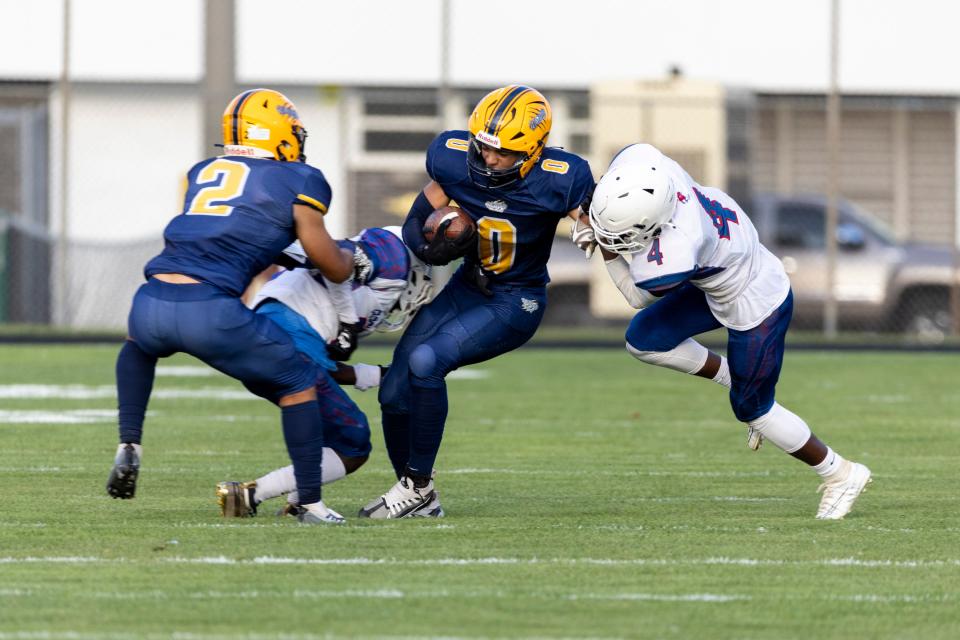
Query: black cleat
[122, 482]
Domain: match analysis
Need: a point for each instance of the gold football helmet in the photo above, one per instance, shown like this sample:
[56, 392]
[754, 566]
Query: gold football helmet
[263, 123]
[513, 118]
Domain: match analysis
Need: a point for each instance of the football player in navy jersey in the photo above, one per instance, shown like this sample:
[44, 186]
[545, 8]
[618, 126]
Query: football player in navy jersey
[516, 190]
[240, 211]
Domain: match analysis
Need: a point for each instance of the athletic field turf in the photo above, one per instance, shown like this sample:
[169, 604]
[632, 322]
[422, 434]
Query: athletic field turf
[587, 495]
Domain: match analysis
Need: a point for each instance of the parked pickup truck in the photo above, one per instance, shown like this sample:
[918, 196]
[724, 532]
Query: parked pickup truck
[881, 284]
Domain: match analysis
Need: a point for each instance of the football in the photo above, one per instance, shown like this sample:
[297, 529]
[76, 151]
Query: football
[461, 223]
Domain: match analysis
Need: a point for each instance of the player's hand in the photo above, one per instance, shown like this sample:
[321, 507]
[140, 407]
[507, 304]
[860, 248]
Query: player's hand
[479, 279]
[368, 376]
[584, 237]
[442, 250]
[362, 265]
[343, 346]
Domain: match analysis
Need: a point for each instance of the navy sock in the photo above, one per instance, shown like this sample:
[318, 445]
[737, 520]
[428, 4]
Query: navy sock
[428, 415]
[303, 433]
[396, 435]
[135, 371]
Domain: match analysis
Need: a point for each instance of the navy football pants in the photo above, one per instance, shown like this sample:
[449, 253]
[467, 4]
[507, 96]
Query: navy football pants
[755, 356]
[461, 326]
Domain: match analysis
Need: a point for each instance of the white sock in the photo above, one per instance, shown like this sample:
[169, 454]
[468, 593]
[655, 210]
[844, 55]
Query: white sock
[136, 447]
[831, 464]
[783, 428]
[281, 481]
[723, 373]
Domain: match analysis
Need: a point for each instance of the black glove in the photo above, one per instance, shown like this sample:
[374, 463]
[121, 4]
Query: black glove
[479, 279]
[442, 250]
[341, 347]
[362, 265]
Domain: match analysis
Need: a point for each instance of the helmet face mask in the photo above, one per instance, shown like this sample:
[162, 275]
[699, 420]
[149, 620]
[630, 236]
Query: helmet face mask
[419, 291]
[487, 176]
[514, 119]
[630, 206]
[263, 123]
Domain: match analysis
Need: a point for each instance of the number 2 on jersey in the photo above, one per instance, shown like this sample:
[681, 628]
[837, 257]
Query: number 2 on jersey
[498, 243]
[220, 181]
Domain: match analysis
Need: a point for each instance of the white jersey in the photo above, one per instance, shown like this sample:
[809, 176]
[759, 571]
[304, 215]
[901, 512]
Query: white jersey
[317, 300]
[325, 304]
[711, 243]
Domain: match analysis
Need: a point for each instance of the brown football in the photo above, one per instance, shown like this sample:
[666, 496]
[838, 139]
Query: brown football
[461, 223]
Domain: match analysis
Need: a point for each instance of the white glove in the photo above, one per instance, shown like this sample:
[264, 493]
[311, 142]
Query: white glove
[584, 237]
[368, 376]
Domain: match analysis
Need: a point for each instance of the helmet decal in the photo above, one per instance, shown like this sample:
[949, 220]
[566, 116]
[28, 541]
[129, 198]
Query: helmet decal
[538, 119]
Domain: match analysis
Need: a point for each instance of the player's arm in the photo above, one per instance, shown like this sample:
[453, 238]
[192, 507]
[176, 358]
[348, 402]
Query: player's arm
[441, 250]
[334, 263]
[619, 272]
[361, 376]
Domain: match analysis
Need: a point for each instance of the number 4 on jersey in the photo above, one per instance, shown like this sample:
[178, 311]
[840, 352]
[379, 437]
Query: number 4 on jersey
[720, 215]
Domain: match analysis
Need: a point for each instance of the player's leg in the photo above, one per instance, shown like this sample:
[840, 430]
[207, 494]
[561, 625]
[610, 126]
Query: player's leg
[756, 357]
[662, 334]
[253, 349]
[346, 449]
[483, 328]
[148, 323]
[395, 391]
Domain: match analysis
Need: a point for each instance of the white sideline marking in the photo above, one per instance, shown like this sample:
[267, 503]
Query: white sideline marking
[623, 562]
[88, 392]
[468, 374]
[185, 371]
[660, 597]
[619, 474]
[74, 416]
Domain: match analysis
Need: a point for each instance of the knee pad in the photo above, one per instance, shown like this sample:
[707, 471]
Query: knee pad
[783, 428]
[687, 357]
[423, 361]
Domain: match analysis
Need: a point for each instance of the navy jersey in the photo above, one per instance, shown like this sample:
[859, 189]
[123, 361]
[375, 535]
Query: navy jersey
[516, 224]
[237, 218]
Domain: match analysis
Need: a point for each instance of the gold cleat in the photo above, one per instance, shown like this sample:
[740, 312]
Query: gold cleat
[236, 499]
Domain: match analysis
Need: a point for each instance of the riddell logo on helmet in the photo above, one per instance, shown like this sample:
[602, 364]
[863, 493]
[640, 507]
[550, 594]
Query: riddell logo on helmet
[488, 139]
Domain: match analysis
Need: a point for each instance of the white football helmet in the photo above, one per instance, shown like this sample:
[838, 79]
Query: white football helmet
[630, 204]
[419, 291]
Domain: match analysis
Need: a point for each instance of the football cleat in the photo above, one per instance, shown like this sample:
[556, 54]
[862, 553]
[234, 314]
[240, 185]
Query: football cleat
[401, 501]
[754, 439]
[289, 509]
[122, 482]
[430, 510]
[840, 493]
[318, 513]
[237, 499]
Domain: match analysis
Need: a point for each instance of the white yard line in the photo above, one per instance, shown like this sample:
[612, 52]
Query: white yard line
[493, 561]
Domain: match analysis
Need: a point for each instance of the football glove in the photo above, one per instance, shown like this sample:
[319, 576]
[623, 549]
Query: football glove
[343, 346]
[442, 250]
[368, 376]
[479, 279]
[584, 237]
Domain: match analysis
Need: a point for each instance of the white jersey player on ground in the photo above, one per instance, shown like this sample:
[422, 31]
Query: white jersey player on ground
[325, 320]
[695, 265]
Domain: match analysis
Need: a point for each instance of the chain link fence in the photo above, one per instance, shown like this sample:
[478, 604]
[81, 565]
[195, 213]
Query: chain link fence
[896, 260]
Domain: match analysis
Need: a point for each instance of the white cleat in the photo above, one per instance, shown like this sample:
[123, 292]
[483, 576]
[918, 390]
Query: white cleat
[401, 501]
[754, 439]
[432, 509]
[318, 513]
[842, 491]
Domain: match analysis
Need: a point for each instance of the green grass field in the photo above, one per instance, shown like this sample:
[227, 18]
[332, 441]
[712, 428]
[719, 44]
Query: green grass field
[587, 495]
